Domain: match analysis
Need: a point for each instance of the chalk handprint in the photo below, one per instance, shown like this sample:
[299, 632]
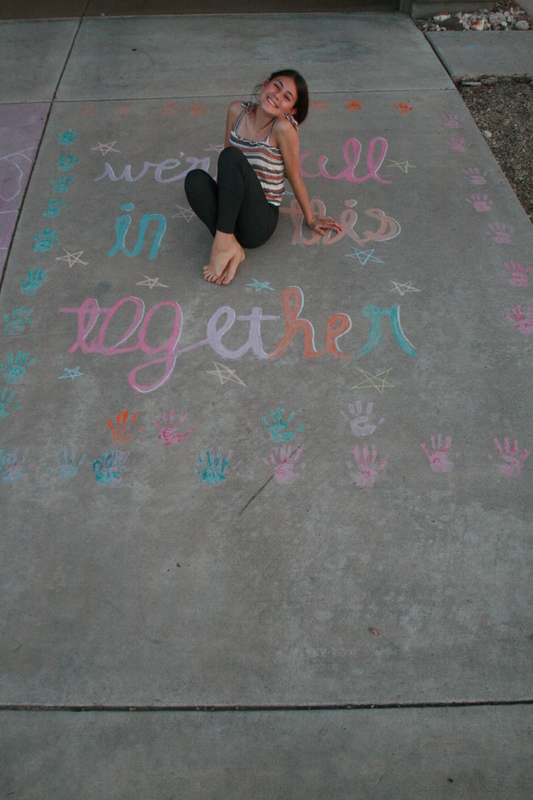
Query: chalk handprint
[66, 163]
[284, 471]
[458, 144]
[20, 317]
[54, 207]
[439, 457]
[479, 203]
[44, 241]
[122, 432]
[66, 467]
[170, 434]
[512, 459]
[403, 108]
[279, 430]
[500, 233]
[523, 323]
[16, 366]
[451, 120]
[475, 176]
[60, 185]
[108, 468]
[5, 400]
[67, 137]
[359, 424]
[33, 281]
[11, 466]
[212, 467]
[517, 276]
[366, 472]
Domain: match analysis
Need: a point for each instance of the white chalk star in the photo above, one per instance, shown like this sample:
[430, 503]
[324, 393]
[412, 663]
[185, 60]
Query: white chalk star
[72, 258]
[403, 288]
[183, 213]
[258, 286]
[375, 381]
[363, 255]
[218, 148]
[151, 283]
[405, 166]
[106, 148]
[71, 373]
[225, 374]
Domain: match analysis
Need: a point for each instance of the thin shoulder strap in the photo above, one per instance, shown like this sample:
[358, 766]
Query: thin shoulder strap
[246, 108]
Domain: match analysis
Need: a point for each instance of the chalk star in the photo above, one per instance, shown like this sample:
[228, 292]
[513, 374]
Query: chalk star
[106, 148]
[375, 381]
[403, 288]
[403, 165]
[151, 283]
[71, 373]
[225, 374]
[363, 255]
[218, 148]
[72, 258]
[258, 286]
[183, 213]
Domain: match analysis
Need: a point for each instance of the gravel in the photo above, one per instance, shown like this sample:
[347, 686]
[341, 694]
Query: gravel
[503, 15]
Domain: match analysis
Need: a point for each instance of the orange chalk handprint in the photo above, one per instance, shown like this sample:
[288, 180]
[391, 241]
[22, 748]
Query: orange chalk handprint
[169, 108]
[196, 110]
[124, 110]
[319, 105]
[403, 108]
[89, 111]
[354, 105]
[122, 432]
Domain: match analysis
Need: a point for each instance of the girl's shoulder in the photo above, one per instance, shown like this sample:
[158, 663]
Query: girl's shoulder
[285, 127]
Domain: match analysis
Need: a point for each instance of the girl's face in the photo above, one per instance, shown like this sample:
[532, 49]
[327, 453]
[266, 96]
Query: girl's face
[278, 96]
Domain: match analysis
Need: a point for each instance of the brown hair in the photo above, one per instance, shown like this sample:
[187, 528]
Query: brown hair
[301, 106]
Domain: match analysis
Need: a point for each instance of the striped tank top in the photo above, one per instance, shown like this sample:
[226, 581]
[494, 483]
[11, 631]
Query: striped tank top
[265, 159]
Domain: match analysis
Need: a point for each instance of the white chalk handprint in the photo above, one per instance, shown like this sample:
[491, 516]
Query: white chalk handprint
[360, 425]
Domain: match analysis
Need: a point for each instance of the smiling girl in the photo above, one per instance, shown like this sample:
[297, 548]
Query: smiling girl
[261, 149]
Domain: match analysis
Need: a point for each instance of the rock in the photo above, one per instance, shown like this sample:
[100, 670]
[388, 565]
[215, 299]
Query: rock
[522, 25]
[487, 134]
[503, 24]
[478, 25]
[490, 80]
[442, 17]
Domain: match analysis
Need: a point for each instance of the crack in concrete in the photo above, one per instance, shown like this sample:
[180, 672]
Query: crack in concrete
[254, 496]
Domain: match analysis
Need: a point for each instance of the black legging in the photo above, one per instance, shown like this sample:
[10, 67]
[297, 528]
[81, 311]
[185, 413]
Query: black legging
[237, 204]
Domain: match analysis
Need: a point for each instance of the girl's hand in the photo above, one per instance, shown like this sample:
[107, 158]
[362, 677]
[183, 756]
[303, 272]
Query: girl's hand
[324, 226]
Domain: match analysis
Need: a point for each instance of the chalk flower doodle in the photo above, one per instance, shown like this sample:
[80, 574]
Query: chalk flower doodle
[354, 105]
[196, 110]
[44, 241]
[359, 423]
[108, 469]
[33, 281]
[5, 400]
[284, 472]
[16, 366]
[61, 184]
[365, 460]
[279, 430]
[67, 137]
[66, 163]
[212, 467]
[458, 144]
[122, 226]
[513, 460]
[516, 273]
[500, 233]
[66, 466]
[479, 203]
[121, 433]
[439, 457]
[16, 323]
[403, 108]
[451, 120]
[170, 434]
[475, 176]
[12, 467]
[352, 153]
[523, 322]
[54, 207]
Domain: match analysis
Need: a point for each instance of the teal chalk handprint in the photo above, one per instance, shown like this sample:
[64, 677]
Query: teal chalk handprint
[66, 163]
[33, 282]
[20, 317]
[66, 466]
[16, 366]
[54, 207]
[67, 137]
[279, 430]
[62, 183]
[108, 468]
[11, 467]
[212, 467]
[5, 400]
[44, 241]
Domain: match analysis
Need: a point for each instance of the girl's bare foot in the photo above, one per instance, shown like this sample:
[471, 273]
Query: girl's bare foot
[226, 256]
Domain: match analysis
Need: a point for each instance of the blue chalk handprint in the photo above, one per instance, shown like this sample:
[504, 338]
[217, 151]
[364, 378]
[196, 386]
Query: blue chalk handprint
[61, 184]
[20, 317]
[54, 207]
[66, 467]
[5, 400]
[67, 137]
[279, 431]
[212, 467]
[16, 366]
[44, 241]
[11, 467]
[66, 163]
[108, 468]
[33, 281]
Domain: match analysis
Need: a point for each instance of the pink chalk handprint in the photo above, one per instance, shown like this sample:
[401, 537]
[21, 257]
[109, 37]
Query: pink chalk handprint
[517, 276]
[451, 120]
[500, 233]
[366, 471]
[479, 203]
[284, 472]
[359, 424]
[523, 323]
[170, 434]
[458, 144]
[439, 456]
[475, 176]
[512, 459]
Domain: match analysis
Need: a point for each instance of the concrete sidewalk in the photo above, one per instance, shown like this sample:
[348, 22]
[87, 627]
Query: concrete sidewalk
[310, 488]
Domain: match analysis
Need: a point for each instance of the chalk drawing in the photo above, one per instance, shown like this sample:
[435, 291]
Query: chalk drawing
[62, 183]
[124, 110]
[279, 430]
[71, 373]
[12, 175]
[121, 228]
[183, 213]
[72, 258]
[6, 397]
[66, 163]
[403, 108]
[363, 256]
[212, 467]
[284, 472]
[33, 281]
[500, 233]
[523, 322]
[170, 107]
[516, 274]
[451, 120]
[104, 149]
[170, 434]
[123, 432]
[108, 469]
[375, 336]
[16, 366]
[225, 374]
[480, 203]
[377, 381]
[89, 110]
[475, 177]
[439, 457]
[366, 472]
[164, 166]
[44, 241]
[66, 467]
[16, 323]
[152, 283]
[403, 288]
[12, 467]
[354, 105]
[217, 148]
[67, 137]
[352, 153]
[513, 461]
[257, 285]
[318, 105]
[458, 144]
[404, 166]
[196, 110]
[54, 207]
[388, 229]
[360, 425]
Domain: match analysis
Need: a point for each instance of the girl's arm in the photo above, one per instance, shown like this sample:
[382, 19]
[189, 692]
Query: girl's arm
[234, 110]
